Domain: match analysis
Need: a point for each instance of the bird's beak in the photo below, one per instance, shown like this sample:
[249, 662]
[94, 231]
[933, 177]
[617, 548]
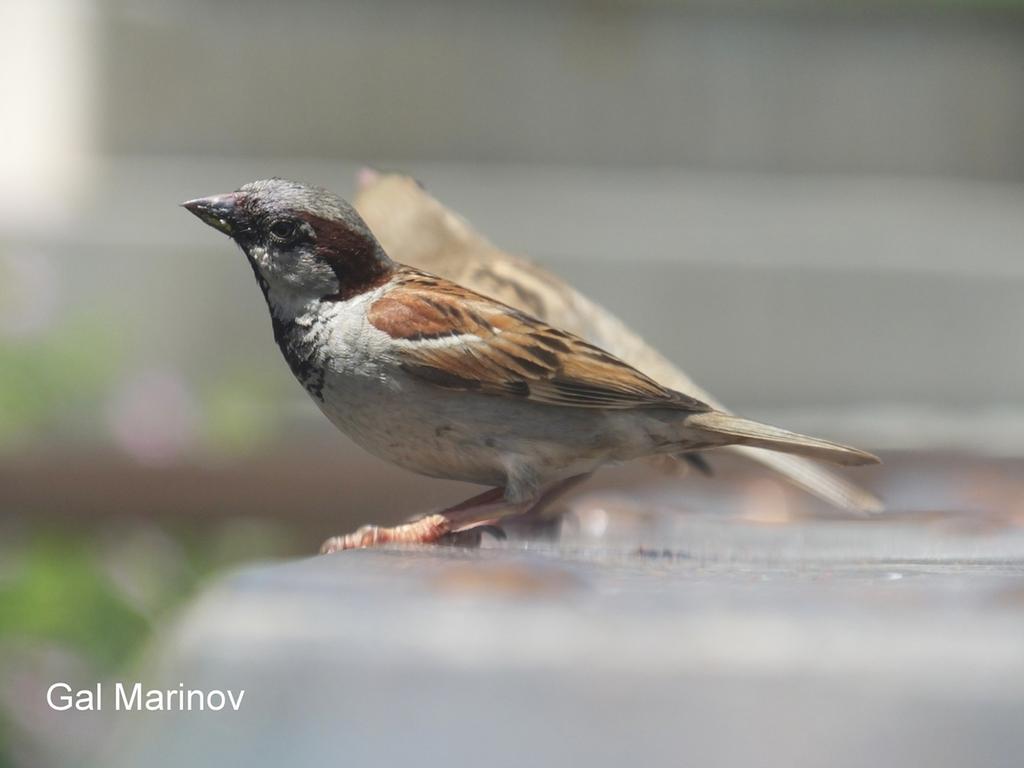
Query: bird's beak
[218, 211]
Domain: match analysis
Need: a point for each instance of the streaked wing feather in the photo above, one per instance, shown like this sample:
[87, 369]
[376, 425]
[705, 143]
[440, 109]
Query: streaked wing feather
[457, 339]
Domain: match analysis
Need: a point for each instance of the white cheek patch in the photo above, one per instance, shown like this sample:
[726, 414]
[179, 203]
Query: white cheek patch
[295, 283]
[307, 271]
[299, 274]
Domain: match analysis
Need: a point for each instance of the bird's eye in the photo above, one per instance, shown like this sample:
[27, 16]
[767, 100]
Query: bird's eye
[282, 230]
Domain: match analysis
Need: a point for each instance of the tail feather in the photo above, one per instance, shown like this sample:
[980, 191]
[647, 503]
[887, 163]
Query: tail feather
[817, 480]
[752, 433]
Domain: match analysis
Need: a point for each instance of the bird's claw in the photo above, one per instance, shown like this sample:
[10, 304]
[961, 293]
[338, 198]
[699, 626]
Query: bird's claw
[431, 529]
[423, 531]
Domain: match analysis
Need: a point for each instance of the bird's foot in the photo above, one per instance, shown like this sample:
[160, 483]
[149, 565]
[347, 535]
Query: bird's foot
[423, 531]
[416, 532]
[460, 525]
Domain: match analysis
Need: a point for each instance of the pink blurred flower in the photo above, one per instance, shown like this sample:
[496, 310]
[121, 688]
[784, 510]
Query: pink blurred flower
[153, 416]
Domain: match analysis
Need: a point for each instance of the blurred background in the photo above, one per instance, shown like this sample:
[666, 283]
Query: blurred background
[815, 208]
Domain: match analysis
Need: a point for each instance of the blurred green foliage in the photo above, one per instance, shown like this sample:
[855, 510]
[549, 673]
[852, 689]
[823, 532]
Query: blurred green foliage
[48, 379]
[60, 593]
[240, 410]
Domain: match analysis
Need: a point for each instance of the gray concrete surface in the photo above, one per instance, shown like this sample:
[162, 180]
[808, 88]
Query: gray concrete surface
[648, 635]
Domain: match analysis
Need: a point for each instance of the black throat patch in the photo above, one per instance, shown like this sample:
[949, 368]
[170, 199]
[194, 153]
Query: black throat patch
[301, 354]
[300, 347]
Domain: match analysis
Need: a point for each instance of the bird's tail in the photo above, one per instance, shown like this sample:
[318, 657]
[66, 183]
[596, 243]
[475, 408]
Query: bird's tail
[815, 479]
[752, 433]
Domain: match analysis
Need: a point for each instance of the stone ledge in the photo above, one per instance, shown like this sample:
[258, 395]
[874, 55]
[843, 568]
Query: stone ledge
[815, 642]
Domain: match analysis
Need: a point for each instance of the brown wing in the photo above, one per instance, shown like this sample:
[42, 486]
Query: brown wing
[457, 339]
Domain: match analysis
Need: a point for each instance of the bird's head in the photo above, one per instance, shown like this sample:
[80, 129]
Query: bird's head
[303, 242]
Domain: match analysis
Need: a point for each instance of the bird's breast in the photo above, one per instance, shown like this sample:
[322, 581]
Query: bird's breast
[305, 342]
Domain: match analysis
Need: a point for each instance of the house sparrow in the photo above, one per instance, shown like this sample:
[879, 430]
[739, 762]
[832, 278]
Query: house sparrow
[447, 382]
[418, 230]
